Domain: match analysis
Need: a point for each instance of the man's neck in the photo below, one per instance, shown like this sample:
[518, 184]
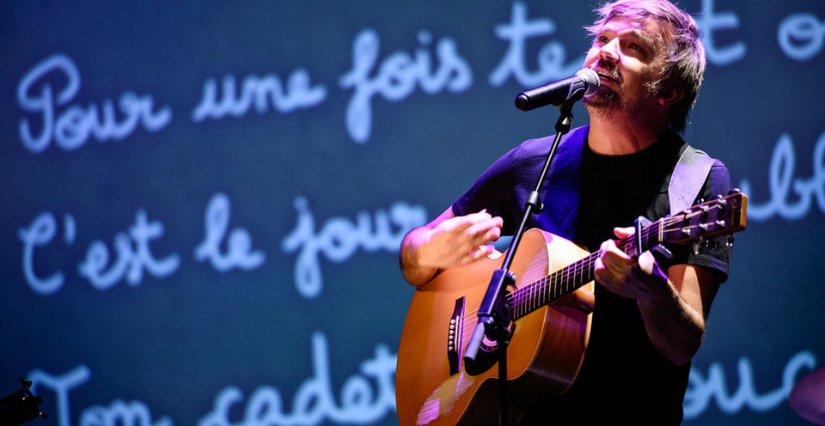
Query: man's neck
[617, 134]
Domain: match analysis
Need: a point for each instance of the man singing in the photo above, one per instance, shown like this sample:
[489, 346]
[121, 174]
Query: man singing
[650, 312]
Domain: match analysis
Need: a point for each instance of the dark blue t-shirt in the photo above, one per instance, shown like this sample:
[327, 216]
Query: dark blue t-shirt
[585, 196]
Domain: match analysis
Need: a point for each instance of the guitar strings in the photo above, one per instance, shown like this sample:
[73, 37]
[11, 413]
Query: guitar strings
[551, 285]
[531, 296]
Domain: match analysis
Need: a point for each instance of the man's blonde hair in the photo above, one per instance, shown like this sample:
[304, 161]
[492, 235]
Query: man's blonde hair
[685, 54]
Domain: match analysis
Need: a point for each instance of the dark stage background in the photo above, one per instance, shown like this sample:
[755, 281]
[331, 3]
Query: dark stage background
[202, 201]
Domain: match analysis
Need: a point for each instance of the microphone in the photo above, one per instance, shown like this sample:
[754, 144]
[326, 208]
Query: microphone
[571, 89]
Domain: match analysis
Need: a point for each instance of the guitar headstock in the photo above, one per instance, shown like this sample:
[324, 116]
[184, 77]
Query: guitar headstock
[718, 216]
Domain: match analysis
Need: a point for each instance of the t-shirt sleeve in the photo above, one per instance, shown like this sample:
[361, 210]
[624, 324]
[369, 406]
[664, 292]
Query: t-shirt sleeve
[492, 191]
[714, 253]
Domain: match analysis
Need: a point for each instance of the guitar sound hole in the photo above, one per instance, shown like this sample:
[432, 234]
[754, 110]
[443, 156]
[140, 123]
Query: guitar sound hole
[488, 345]
[488, 356]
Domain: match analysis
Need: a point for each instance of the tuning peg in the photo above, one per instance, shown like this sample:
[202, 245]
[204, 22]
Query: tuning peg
[729, 241]
[734, 191]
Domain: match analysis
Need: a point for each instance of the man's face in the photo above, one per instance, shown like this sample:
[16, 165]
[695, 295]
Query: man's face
[629, 57]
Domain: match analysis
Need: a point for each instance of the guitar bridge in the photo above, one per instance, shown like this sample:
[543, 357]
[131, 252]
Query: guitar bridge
[454, 336]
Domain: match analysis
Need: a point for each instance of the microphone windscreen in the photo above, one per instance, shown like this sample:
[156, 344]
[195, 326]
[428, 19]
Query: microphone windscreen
[591, 78]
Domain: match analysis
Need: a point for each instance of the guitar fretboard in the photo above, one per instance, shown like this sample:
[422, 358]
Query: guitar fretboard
[530, 297]
[721, 215]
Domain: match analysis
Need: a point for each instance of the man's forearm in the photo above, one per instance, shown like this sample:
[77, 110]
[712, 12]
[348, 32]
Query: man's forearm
[676, 319]
[674, 327]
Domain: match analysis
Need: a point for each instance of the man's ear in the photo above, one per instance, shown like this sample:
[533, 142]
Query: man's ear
[670, 96]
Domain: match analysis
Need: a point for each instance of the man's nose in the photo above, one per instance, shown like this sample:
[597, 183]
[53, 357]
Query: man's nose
[609, 52]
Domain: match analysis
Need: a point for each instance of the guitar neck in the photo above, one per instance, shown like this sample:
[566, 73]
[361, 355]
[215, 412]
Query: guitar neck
[718, 216]
[530, 297]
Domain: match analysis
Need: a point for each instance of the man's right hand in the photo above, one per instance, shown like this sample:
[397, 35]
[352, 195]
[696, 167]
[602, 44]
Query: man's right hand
[447, 242]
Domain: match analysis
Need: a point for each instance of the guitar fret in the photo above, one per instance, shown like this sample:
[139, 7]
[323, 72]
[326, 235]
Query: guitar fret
[530, 298]
[564, 280]
[546, 285]
[661, 233]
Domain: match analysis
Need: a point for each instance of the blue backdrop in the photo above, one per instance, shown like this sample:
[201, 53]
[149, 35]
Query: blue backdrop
[201, 202]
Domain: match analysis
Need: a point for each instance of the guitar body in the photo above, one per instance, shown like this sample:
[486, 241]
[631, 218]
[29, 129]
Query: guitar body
[546, 349]
[552, 304]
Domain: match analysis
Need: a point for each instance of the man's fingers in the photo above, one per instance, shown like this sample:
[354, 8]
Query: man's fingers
[457, 240]
[623, 232]
[483, 228]
[461, 223]
[613, 260]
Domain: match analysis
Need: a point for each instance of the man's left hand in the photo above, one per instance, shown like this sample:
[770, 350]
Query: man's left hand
[635, 278]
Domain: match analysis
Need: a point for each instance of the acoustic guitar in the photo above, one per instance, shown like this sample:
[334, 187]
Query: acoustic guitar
[551, 305]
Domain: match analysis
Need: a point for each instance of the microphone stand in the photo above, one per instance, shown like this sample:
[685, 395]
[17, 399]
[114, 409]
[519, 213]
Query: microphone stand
[494, 314]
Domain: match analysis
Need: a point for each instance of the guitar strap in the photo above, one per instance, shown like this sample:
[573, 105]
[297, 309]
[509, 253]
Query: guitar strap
[687, 179]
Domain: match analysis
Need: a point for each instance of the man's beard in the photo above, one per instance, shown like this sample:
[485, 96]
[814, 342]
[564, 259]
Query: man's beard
[606, 102]
[603, 100]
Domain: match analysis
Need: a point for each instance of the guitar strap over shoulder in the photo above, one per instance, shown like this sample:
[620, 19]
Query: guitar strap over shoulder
[687, 179]
[686, 182]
